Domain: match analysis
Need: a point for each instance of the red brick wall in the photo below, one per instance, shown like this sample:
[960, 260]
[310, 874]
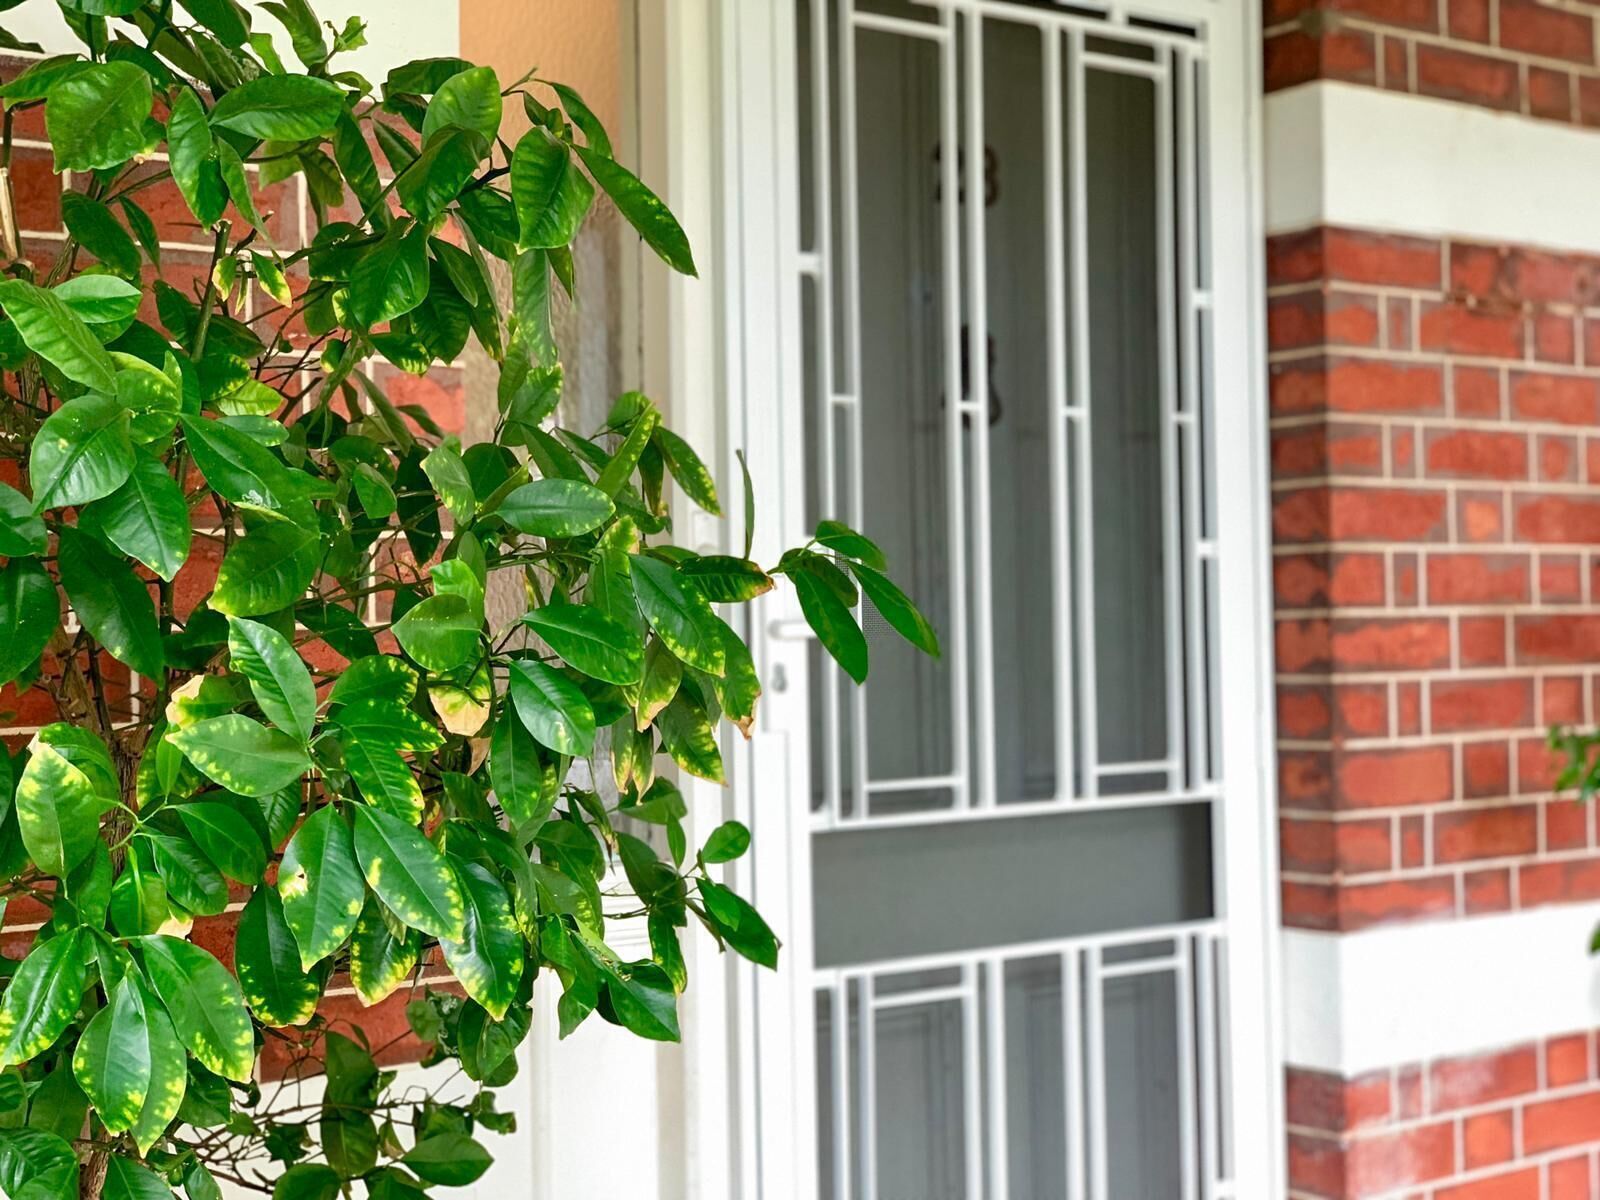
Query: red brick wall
[1521, 1123]
[1530, 56]
[185, 254]
[1436, 456]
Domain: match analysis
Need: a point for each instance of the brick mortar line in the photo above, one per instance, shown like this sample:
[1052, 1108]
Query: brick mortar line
[1442, 40]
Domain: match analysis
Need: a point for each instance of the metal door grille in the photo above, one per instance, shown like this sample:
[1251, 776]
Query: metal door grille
[962, 1003]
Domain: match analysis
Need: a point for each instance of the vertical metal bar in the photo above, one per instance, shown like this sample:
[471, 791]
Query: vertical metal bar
[1056, 368]
[867, 1119]
[843, 1176]
[1206, 1024]
[950, 191]
[1171, 503]
[826, 285]
[1188, 1119]
[972, 1080]
[995, 1086]
[1078, 217]
[1190, 432]
[850, 241]
[979, 504]
[1095, 1035]
[1073, 1069]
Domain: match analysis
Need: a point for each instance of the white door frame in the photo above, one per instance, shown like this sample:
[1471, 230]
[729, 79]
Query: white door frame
[722, 135]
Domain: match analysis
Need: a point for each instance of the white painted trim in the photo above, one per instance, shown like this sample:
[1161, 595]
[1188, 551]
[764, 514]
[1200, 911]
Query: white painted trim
[1377, 998]
[1338, 154]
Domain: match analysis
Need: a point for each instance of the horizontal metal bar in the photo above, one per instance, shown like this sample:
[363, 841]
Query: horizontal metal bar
[1111, 24]
[808, 262]
[1123, 66]
[901, 25]
[1141, 966]
[1213, 928]
[1031, 808]
[913, 784]
[959, 992]
[842, 400]
[790, 629]
[1152, 767]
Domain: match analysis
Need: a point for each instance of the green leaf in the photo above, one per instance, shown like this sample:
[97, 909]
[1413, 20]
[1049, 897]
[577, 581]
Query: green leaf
[278, 678]
[59, 805]
[43, 996]
[619, 470]
[687, 469]
[96, 117]
[833, 623]
[205, 1003]
[189, 876]
[237, 182]
[841, 539]
[168, 1074]
[30, 610]
[99, 232]
[81, 453]
[723, 579]
[643, 1000]
[50, 328]
[22, 533]
[268, 569]
[738, 924]
[584, 118]
[276, 986]
[468, 100]
[148, 518]
[551, 194]
[680, 615]
[321, 886]
[896, 608]
[242, 755]
[375, 733]
[112, 1059]
[519, 773]
[377, 676]
[283, 108]
[663, 673]
[392, 278]
[225, 837]
[689, 738]
[236, 466]
[487, 959]
[193, 157]
[380, 961]
[408, 873]
[727, 842]
[448, 1159]
[450, 479]
[442, 632]
[589, 641]
[129, 1180]
[113, 603]
[556, 508]
[99, 299]
[552, 708]
[38, 1163]
[427, 185]
[307, 1181]
[643, 209]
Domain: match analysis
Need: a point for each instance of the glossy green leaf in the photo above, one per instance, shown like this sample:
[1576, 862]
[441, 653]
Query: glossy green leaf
[392, 278]
[689, 738]
[168, 1073]
[679, 614]
[113, 603]
[589, 641]
[99, 299]
[438, 175]
[321, 886]
[441, 633]
[450, 479]
[225, 837]
[380, 961]
[96, 117]
[551, 194]
[129, 1180]
[267, 957]
[556, 508]
[194, 159]
[487, 958]
[268, 569]
[378, 677]
[835, 626]
[727, 842]
[148, 518]
[448, 1159]
[643, 999]
[518, 770]
[467, 100]
[278, 677]
[408, 873]
[30, 611]
[739, 924]
[895, 607]
[375, 733]
[242, 755]
[52, 330]
[190, 878]
[96, 228]
[59, 805]
[723, 579]
[643, 209]
[42, 996]
[285, 108]
[81, 453]
[552, 708]
[236, 466]
[207, 1009]
[112, 1059]
[22, 532]
[688, 471]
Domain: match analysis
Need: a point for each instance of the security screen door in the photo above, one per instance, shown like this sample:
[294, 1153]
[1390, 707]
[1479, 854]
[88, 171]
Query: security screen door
[1019, 960]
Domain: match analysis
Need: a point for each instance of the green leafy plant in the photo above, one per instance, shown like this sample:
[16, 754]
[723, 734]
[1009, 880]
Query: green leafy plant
[330, 735]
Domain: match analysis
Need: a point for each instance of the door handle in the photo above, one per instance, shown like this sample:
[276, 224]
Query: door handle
[790, 629]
